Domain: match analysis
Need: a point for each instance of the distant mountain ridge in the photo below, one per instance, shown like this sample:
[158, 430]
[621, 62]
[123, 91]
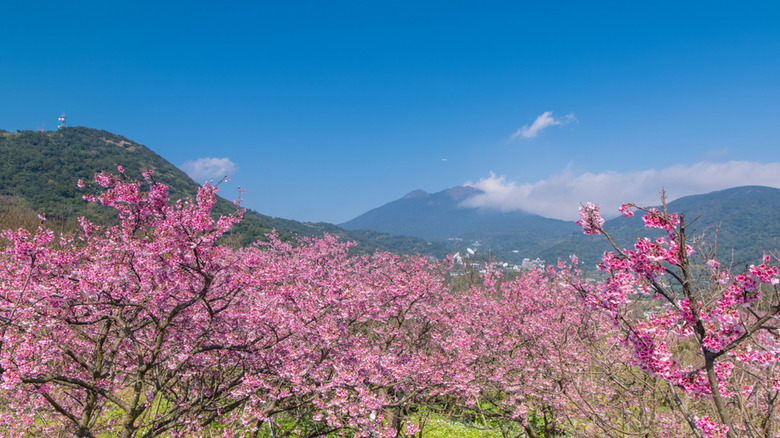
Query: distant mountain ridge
[745, 219]
[441, 217]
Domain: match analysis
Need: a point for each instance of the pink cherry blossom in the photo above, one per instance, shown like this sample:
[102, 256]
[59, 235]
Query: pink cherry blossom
[714, 342]
[590, 219]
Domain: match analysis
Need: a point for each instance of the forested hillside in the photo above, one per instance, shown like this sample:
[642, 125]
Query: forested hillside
[39, 172]
[744, 222]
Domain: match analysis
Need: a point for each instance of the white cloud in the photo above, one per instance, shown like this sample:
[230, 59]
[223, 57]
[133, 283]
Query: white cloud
[543, 121]
[560, 195]
[205, 169]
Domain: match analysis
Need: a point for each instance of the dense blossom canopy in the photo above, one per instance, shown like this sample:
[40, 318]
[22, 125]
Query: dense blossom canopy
[151, 327]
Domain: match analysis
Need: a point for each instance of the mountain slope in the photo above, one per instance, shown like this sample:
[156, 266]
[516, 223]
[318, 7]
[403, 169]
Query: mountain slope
[41, 169]
[744, 221]
[511, 236]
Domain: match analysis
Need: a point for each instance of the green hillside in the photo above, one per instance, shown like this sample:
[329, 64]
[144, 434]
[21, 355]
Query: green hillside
[39, 170]
[743, 221]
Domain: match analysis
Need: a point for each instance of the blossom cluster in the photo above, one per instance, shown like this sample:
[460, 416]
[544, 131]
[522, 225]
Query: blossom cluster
[724, 314]
[590, 219]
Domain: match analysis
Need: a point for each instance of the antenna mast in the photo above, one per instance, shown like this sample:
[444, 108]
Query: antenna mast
[62, 121]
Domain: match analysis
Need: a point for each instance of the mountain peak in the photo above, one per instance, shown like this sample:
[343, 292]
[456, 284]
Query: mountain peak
[414, 194]
[460, 193]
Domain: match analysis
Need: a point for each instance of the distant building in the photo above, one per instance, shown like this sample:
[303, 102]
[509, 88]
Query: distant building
[533, 264]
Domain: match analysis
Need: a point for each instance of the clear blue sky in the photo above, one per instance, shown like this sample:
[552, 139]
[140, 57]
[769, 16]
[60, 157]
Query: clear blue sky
[329, 109]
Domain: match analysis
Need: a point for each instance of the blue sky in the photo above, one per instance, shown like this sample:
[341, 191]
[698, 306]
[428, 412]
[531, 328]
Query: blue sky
[324, 110]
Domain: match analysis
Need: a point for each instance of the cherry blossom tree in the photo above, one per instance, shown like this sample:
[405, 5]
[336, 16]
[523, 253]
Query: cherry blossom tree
[130, 330]
[546, 365]
[373, 340]
[712, 331]
[151, 327]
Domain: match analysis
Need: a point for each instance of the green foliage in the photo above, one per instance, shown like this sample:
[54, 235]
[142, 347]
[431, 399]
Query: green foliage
[40, 170]
[744, 221]
[43, 168]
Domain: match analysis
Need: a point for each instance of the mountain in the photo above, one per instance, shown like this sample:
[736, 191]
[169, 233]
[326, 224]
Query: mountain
[39, 171]
[440, 217]
[744, 220]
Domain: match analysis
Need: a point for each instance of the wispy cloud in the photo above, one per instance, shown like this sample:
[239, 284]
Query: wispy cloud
[543, 121]
[204, 169]
[560, 195]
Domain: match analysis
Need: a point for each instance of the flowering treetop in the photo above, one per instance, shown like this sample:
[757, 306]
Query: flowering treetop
[732, 318]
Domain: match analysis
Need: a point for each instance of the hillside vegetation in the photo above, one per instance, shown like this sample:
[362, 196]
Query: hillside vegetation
[40, 170]
[744, 222]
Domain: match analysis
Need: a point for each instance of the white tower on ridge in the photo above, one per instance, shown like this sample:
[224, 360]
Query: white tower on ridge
[62, 121]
